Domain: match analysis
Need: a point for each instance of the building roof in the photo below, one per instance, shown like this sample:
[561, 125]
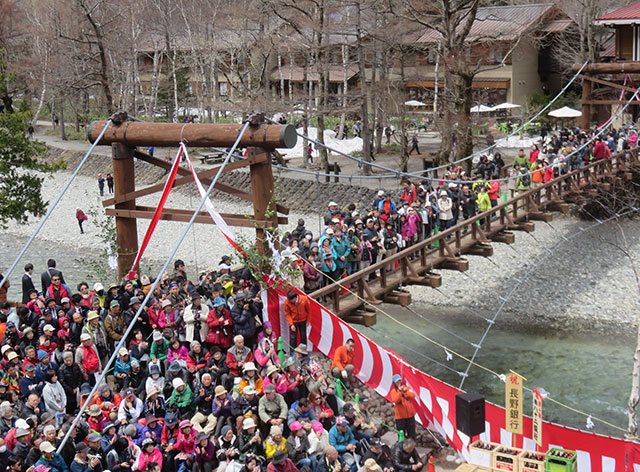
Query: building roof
[626, 15]
[509, 22]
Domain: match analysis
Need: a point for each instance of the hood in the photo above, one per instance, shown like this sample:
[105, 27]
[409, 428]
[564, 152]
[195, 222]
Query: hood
[62, 319]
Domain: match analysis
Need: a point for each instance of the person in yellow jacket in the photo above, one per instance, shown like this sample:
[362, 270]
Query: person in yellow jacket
[275, 442]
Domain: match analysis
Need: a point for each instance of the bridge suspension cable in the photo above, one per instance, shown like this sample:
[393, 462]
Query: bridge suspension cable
[54, 204]
[184, 234]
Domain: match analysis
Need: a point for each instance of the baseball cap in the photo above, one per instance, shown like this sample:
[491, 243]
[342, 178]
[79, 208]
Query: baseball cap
[332, 203]
[85, 337]
[46, 447]
[98, 286]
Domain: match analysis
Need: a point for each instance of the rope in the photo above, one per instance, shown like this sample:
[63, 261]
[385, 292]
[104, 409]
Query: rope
[55, 203]
[121, 343]
[477, 153]
[398, 173]
[444, 366]
[441, 327]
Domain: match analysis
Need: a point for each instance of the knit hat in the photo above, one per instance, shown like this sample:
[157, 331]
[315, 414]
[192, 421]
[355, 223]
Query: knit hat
[130, 430]
[185, 424]
[225, 430]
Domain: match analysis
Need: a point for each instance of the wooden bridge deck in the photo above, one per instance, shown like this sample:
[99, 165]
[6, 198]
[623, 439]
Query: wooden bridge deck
[473, 236]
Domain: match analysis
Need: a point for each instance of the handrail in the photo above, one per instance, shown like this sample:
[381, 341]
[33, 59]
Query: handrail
[584, 171]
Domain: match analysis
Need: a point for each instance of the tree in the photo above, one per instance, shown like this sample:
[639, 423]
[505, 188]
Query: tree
[20, 191]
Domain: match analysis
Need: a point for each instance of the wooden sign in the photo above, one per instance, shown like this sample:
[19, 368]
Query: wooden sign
[536, 434]
[513, 403]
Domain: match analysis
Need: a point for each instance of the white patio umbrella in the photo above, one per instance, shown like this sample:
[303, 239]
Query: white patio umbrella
[565, 112]
[480, 109]
[505, 106]
[415, 103]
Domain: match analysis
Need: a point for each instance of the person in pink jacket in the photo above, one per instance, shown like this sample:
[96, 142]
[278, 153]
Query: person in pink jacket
[149, 454]
[177, 352]
[278, 380]
[410, 227]
[185, 445]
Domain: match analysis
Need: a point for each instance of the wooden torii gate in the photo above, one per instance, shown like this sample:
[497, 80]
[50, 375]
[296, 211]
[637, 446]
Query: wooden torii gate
[124, 137]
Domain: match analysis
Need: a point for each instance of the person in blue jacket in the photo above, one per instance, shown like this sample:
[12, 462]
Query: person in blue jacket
[51, 459]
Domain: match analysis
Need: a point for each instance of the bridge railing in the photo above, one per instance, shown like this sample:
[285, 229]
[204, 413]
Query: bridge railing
[448, 245]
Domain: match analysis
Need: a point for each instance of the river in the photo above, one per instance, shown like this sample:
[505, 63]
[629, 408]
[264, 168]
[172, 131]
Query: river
[591, 373]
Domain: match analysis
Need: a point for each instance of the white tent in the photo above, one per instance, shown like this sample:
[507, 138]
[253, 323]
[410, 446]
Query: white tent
[565, 112]
[505, 106]
[415, 103]
[480, 109]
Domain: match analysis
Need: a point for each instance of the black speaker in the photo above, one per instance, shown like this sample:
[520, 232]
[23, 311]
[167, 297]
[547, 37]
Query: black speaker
[470, 413]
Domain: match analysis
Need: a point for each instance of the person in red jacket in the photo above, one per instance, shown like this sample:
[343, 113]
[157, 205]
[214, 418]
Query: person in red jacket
[401, 397]
[494, 188]
[57, 290]
[296, 309]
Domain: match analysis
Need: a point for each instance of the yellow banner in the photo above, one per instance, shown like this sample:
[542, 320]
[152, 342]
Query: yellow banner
[513, 403]
[537, 418]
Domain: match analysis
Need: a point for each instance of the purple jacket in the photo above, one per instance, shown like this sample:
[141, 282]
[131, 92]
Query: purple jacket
[155, 433]
[208, 454]
[224, 409]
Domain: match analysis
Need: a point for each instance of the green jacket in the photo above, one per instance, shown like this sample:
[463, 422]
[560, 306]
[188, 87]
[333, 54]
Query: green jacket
[160, 352]
[181, 399]
[354, 255]
[484, 202]
[523, 161]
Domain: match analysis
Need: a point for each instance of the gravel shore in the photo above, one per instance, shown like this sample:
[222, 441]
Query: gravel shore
[585, 284]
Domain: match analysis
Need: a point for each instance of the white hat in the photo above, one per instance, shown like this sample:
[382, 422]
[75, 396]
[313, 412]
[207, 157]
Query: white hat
[5, 348]
[48, 327]
[224, 266]
[157, 335]
[248, 423]
[123, 351]
[452, 185]
[98, 286]
[249, 366]
[329, 231]
[444, 192]
[177, 382]
[332, 203]
[85, 337]
[380, 193]
[249, 390]
[358, 222]
[166, 302]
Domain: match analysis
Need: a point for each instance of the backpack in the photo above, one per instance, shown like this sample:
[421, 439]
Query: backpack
[525, 179]
[90, 362]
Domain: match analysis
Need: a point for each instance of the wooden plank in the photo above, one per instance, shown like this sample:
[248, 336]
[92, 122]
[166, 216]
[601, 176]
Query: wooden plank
[610, 102]
[185, 180]
[169, 215]
[219, 185]
[607, 83]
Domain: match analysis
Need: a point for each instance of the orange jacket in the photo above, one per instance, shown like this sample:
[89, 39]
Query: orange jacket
[342, 358]
[402, 403]
[297, 312]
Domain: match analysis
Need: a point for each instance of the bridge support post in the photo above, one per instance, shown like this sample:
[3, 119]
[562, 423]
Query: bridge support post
[124, 181]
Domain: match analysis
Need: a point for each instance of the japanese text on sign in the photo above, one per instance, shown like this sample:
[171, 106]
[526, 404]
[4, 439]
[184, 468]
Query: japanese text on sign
[513, 403]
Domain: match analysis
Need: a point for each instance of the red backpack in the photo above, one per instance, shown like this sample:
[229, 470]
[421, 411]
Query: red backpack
[90, 363]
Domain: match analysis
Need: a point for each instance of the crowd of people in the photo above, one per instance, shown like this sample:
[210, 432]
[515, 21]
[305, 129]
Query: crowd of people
[199, 382]
[355, 238]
